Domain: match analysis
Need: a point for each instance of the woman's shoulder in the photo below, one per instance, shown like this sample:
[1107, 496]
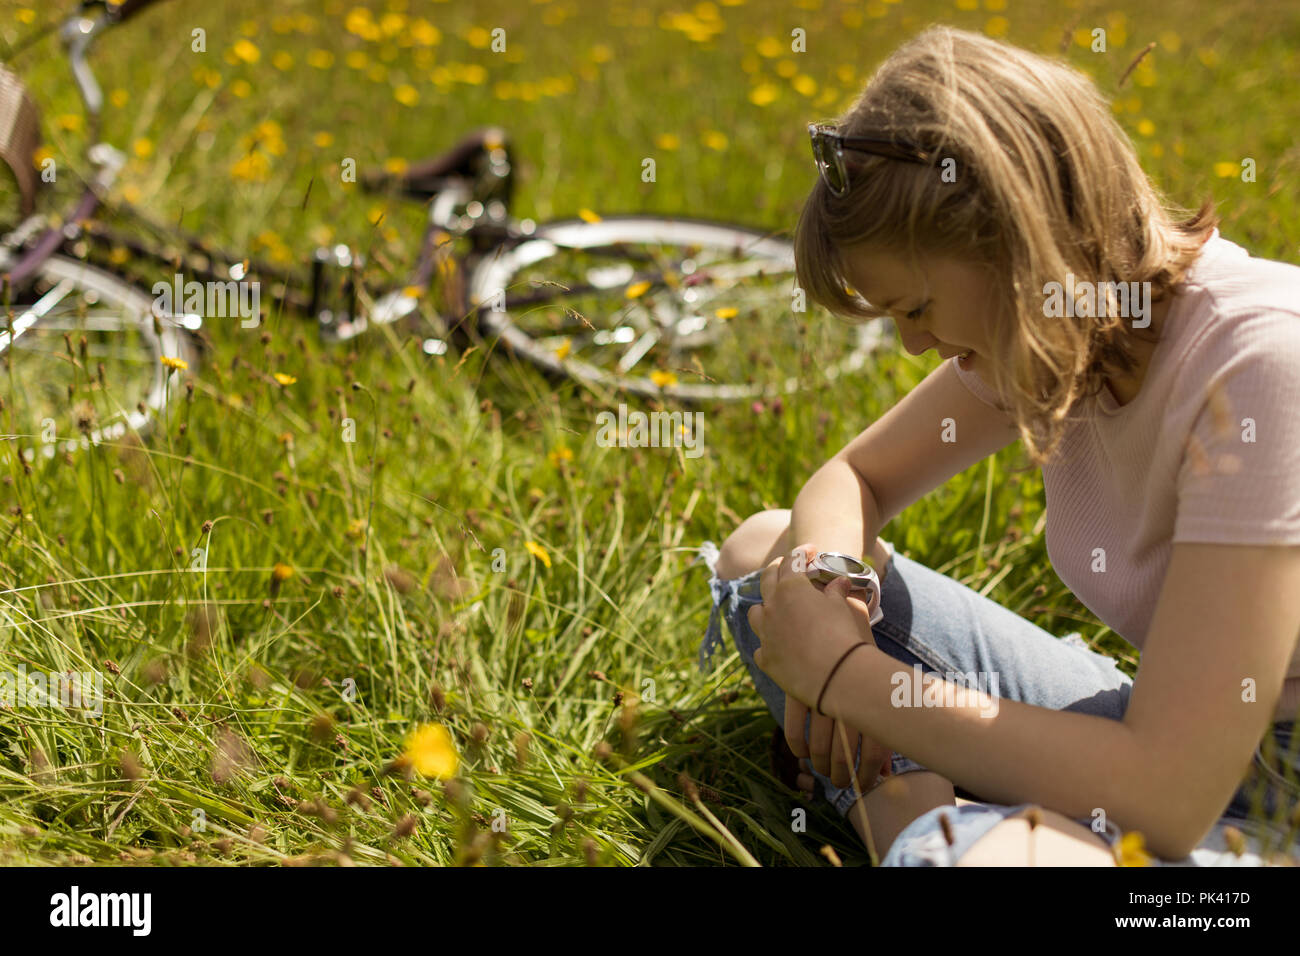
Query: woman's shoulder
[1227, 279]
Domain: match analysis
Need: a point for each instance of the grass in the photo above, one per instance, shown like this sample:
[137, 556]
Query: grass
[255, 718]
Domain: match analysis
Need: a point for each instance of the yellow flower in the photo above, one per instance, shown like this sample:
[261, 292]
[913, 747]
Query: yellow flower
[431, 751]
[668, 141]
[763, 94]
[174, 363]
[406, 94]
[588, 216]
[143, 148]
[242, 88]
[119, 98]
[26, 16]
[1132, 850]
[69, 122]
[356, 528]
[253, 168]
[478, 37]
[284, 379]
[1146, 127]
[282, 61]
[997, 26]
[770, 47]
[246, 51]
[565, 347]
[804, 84]
[538, 552]
[715, 139]
[320, 59]
[662, 378]
[323, 139]
[40, 154]
[726, 312]
[637, 289]
[282, 572]
[1226, 170]
[560, 454]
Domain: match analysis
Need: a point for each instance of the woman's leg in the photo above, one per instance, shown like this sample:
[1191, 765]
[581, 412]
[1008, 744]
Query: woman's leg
[933, 622]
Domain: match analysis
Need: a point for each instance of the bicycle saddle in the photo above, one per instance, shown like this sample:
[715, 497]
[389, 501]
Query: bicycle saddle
[473, 157]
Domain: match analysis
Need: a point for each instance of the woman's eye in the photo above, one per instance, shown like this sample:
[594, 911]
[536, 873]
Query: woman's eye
[917, 312]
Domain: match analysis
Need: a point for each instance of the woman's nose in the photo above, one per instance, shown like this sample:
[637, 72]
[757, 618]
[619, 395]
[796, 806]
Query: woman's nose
[916, 343]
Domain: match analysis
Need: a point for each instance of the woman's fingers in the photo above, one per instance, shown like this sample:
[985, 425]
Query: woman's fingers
[796, 716]
[819, 742]
[844, 751]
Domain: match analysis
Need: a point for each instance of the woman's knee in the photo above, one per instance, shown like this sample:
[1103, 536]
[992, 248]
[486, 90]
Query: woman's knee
[749, 546]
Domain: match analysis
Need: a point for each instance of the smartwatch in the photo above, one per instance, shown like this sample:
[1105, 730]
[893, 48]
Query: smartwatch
[829, 565]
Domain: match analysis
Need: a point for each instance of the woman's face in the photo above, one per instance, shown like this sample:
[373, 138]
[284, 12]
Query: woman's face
[942, 303]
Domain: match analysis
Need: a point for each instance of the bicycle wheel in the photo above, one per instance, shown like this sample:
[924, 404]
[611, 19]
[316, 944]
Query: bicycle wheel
[677, 308]
[60, 394]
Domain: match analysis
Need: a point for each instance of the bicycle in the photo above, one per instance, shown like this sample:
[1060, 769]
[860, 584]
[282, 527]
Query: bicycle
[625, 303]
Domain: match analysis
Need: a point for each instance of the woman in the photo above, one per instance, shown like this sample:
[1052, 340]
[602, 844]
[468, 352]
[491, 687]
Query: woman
[986, 200]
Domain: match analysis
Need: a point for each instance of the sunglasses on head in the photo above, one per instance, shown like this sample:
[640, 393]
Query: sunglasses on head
[829, 145]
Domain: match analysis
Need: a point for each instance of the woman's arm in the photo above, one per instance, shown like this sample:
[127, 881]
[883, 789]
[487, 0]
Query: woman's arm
[897, 460]
[1227, 619]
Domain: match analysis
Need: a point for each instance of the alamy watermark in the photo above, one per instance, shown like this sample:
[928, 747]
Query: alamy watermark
[655, 430]
[915, 688]
[235, 298]
[68, 690]
[1083, 298]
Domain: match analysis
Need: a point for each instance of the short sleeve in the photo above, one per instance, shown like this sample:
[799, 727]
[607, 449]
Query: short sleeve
[1239, 478]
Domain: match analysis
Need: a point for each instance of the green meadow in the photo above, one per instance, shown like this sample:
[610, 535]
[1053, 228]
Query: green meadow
[280, 704]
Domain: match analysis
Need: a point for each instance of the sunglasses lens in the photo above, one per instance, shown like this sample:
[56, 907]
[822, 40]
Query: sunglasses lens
[832, 172]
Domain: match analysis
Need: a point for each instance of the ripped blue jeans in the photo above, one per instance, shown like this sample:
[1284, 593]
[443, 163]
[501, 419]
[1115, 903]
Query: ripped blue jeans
[935, 623]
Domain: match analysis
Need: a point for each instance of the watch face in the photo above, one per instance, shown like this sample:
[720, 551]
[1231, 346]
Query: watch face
[841, 563]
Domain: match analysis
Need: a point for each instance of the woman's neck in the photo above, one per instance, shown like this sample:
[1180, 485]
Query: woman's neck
[1125, 387]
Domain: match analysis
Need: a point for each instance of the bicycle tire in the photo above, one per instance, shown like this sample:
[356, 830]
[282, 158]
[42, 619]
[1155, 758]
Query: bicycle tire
[774, 257]
[116, 319]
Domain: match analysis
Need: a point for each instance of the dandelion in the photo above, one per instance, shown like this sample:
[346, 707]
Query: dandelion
[282, 572]
[663, 379]
[668, 141]
[804, 84]
[564, 348]
[174, 363]
[69, 122]
[996, 26]
[1146, 128]
[430, 750]
[323, 139]
[763, 94]
[588, 216]
[119, 98]
[560, 454]
[715, 139]
[770, 48]
[246, 51]
[537, 551]
[284, 379]
[637, 289]
[406, 94]
[320, 59]
[1226, 170]
[727, 312]
[282, 61]
[1132, 850]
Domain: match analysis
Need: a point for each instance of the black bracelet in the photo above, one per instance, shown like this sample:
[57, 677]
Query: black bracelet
[827, 684]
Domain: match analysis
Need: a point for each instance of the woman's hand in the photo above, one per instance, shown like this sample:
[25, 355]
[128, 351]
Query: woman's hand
[825, 748]
[798, 658]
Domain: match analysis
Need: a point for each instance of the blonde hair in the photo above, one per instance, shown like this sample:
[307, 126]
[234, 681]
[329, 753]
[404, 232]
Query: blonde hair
[1046, 184]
